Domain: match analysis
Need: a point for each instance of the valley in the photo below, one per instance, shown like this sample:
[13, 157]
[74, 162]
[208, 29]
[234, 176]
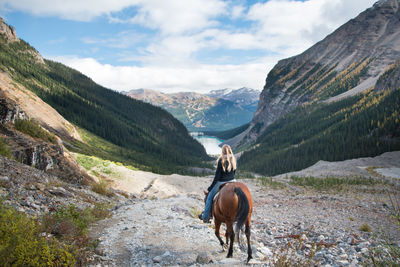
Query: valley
[96, 177]
[219, 110]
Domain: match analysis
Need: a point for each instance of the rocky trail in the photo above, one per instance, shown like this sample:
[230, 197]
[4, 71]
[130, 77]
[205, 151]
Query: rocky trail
[159, 227]
[154, 223]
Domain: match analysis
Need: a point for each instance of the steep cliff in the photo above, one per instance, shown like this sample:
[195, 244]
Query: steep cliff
[41, 154]
[346, 62]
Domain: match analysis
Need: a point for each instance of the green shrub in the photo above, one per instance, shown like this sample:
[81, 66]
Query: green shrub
[33, 129]
[4, 149]
[102, 188]
[22, 245]
[70, 224]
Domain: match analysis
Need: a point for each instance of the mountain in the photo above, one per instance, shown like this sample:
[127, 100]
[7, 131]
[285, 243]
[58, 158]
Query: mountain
[244, 96]
[337, 100]
[219, 110]
[110, 125]
[346, 62]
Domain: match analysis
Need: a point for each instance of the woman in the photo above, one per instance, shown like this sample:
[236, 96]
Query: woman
[225, 172]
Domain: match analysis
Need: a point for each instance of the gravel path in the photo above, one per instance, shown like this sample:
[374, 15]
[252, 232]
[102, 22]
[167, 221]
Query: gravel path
[304, 227]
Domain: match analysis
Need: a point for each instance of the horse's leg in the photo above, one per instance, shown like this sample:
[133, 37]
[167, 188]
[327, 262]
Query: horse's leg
[217, 226]
[229, 228]
[247, 232]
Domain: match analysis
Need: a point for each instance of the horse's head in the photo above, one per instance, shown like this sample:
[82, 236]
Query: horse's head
[205, 196]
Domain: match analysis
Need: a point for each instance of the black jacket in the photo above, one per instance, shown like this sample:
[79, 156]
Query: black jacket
[221, 175]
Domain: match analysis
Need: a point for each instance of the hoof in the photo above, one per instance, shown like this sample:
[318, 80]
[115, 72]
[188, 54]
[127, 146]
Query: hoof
[249, 258]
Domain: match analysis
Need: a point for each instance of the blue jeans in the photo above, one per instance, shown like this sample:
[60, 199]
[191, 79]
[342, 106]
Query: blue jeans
[209, 201]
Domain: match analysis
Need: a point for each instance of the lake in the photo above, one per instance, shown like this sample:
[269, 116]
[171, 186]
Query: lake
[210, 143]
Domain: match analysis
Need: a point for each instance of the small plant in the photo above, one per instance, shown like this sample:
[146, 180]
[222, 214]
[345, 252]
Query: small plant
[395, 206]
[287, 256]
[385, 253]
[102, 188]
[351, 219]
[33, 129]
[195, 212]
[4, 149]
[365, 228]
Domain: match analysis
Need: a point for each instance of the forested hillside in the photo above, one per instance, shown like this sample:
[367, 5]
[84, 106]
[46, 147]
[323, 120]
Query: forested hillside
[364, 125]
[344, 63]
[339, 99]
[139, 133]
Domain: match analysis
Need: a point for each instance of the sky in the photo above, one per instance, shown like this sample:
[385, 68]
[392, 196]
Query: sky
[176, 45]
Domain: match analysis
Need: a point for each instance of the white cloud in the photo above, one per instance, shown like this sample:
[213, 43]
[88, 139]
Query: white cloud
[184, 28]
[68, 9]
[296, 25]
[201, 78]
[177, 16]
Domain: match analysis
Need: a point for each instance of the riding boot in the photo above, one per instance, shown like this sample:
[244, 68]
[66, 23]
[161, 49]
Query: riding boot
[201, 218]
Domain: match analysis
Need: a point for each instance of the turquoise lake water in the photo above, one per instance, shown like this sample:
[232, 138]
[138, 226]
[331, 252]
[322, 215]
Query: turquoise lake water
[210, 143]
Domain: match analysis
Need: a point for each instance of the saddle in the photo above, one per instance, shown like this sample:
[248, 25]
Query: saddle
[220, 187]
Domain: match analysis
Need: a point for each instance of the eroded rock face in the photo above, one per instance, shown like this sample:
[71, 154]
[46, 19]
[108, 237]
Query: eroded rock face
[362, 49]
[9, 111]
[8, 31]
[35, 152]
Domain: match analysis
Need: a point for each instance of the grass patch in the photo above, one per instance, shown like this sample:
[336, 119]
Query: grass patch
[371, 170]
[22, 243]
[100, 165]
[4, 149]
[271, 183]
[88, 162]
[365, 228]
[332, 183]
[33, 129]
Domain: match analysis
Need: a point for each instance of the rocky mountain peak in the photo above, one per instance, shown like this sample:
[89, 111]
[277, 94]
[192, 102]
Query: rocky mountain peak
[10, 35]
[346, 62]
[8, 31]
[386, 3]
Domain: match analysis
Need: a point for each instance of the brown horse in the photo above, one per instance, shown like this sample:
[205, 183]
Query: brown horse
[233, 204]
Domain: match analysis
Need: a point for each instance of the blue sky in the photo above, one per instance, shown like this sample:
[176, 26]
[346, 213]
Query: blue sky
[176, 45]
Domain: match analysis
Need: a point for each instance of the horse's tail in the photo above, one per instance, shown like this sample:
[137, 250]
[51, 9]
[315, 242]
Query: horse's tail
[243, 210]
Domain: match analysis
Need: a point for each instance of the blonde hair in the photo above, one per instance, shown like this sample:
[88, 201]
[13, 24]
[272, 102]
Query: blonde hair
[227, 156]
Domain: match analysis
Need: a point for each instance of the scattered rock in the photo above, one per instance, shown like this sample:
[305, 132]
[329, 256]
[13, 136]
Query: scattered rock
[203, 258]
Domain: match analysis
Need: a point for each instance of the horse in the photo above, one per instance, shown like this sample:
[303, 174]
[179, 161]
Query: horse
[232, 204]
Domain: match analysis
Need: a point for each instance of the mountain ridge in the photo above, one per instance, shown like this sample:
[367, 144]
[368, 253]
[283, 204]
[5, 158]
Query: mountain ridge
[355, 54]
[217, 110]
[133, 131]
[337, 100]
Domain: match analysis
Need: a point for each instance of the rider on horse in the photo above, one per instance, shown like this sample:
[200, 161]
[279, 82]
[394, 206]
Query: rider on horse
[225, 173]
